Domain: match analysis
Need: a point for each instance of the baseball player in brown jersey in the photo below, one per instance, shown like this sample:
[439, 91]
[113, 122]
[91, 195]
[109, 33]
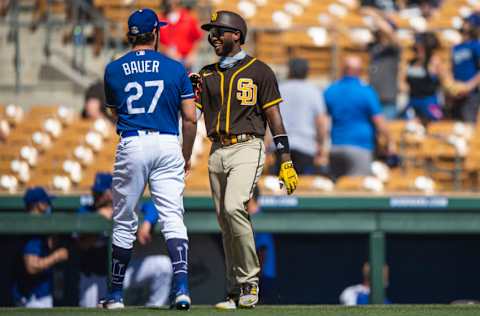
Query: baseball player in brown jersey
[238, 96]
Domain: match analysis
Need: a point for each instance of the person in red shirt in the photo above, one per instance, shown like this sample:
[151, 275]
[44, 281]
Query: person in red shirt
[179, 39]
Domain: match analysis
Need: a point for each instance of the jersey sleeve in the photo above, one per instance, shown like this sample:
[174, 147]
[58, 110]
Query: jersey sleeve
[150, 213]
[186, 87]
[268, 91]
[33, 247]
[109, 95]
[201, 100]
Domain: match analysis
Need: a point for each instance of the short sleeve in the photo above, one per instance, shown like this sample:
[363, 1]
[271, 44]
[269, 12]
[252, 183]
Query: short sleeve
[318, 102]
[477, 55]
[150, 213]
[33, 247]
[186, 87]
[109, 94]
[202, 98]
[374, 105]
[326, 99]
[268, 91]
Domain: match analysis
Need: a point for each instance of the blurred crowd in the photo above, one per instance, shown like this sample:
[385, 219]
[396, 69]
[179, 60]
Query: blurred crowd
[342, 129]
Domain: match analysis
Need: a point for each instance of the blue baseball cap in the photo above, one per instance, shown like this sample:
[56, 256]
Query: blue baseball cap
[103, 182]
[36, 195]
[143, 21]
[474, 19]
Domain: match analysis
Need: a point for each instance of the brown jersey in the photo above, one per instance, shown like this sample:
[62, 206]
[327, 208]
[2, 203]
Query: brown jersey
[233, 99]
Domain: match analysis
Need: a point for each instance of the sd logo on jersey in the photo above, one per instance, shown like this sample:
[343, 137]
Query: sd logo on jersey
[246, 91]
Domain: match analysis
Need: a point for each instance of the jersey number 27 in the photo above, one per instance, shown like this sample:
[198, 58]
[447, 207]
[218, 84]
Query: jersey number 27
[134, 97]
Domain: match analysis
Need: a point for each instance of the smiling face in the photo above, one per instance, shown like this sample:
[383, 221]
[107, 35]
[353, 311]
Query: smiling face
[226, 42]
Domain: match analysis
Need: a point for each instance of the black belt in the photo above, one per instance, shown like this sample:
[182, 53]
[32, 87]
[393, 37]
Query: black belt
[227, 140]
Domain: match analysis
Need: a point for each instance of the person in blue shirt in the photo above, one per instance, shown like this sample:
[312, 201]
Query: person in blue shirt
[33, 286]
[356, 122]
[151, 272]
[466, 68]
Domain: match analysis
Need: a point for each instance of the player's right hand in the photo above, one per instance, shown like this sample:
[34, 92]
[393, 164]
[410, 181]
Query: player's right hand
[288, 176]
[61, 254]
[196, 81]
[143, 233]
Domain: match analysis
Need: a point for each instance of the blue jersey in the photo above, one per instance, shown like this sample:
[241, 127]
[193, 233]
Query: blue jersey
[466, 60]
[146, 89]
[40, 284]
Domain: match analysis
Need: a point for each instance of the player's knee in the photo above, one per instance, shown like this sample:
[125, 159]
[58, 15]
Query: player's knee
[234, 209]
[174, 228]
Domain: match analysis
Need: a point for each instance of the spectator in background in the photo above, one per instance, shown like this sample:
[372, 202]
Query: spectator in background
[152, 272]
[94, 106]
[305, 121]
[384, 53]
[33, 285]
[356, 120]
[179, 39]
[360, 294]
[424, 75]
[466, 68]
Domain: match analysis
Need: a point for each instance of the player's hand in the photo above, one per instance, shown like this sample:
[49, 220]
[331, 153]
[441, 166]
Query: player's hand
[188, 167]
[143, 233]
[61, 254]
[288, 176]
[196, 81]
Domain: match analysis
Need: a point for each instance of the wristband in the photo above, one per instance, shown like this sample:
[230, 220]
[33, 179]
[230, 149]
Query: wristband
[281, 144]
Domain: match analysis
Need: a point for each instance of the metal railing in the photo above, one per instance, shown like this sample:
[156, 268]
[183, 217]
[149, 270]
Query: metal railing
[81, 14]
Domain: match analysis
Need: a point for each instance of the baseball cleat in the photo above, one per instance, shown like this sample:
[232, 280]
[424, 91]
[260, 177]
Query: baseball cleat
[228, 304]
[111, 302]
[182, 302]
[248, 296]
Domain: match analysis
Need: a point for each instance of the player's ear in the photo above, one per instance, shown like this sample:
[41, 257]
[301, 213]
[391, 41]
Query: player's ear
[236, 36]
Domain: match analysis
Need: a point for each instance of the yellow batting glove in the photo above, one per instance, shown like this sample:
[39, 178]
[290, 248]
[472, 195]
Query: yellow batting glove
[288, 176]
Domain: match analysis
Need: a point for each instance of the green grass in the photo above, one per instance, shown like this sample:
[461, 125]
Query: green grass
[290, 310]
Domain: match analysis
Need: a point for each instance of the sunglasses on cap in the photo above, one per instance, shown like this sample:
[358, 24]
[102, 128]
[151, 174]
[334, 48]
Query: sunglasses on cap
[220, 31]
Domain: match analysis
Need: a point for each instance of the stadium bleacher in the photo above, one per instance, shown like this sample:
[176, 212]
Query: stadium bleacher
[49, 145]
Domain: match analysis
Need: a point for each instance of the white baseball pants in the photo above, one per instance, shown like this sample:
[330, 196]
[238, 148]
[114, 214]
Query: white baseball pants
[155, 159]
[152, 272]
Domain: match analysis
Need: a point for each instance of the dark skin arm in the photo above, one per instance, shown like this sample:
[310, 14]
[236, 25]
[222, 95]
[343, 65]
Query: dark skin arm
[275, 122]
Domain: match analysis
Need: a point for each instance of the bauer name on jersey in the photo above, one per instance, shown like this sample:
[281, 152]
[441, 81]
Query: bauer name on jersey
[146, 89]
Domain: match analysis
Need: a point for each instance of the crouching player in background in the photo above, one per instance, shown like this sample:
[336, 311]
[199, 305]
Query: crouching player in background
[33, 285]
[152, 273]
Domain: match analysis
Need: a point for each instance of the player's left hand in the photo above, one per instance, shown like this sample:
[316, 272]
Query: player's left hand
[288, 176]
[143, 233]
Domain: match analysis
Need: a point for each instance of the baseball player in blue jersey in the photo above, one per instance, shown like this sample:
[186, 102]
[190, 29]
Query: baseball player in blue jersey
[145, 91]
